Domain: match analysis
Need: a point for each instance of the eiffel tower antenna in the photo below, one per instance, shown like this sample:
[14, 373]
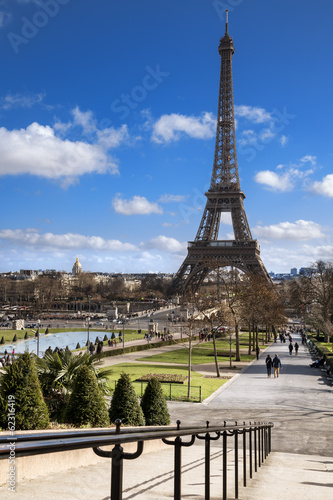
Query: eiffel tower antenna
[207, 252]
[226, 21]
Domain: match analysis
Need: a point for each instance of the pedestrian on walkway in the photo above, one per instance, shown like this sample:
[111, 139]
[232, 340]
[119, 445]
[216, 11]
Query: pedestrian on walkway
[296, 349]
[269, 363]
[291, 347]
[276, 365]
[257, 351]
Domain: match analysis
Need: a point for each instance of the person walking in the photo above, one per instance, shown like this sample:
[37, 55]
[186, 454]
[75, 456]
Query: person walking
[291, 347]
[296, 349]
[276, 365]
[269, 363]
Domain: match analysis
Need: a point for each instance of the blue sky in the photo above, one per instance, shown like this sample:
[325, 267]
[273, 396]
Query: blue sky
[107, 126]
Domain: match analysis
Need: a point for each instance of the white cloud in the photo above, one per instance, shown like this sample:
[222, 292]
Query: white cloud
[111, 138]
[84, 119]
[171, 127]
[282, 259]
[299, 230]
[172, 198]
[288, 177]
[138, 205]
[274, 181]
[324, 187]
[26, 100]
[309, 159]
[36, 150]
[267, 135]
[252, 113]
[33, 238]
[283, 140]
[166, 244]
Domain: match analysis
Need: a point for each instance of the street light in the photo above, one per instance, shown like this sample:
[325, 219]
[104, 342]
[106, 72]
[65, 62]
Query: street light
[88, 343]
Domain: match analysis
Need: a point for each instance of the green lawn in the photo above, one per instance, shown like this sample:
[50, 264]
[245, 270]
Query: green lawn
[328, 346]
[208, 385]
[200, 355]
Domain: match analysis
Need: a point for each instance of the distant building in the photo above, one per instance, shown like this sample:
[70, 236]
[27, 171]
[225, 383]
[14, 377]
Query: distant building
[77, 268]
[293, 271]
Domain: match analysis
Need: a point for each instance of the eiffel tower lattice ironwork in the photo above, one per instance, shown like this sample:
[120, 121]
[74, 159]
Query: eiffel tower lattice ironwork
[206, 252]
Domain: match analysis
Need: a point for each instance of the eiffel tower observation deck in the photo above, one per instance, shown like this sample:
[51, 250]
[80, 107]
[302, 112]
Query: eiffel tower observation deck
[207, 253]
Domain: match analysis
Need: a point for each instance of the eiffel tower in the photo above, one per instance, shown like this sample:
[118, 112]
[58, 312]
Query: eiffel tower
[207, 252]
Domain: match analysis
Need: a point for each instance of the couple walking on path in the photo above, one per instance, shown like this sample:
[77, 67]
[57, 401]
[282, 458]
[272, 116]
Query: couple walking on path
[291, 347]
[275, 363]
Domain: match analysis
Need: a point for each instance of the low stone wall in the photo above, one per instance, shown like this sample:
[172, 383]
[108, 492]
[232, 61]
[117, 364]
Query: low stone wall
[42, 465]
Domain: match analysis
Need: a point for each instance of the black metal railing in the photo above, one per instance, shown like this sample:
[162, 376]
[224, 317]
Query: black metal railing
[255, 447]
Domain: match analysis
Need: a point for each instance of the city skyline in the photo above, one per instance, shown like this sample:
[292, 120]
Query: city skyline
[107, 130]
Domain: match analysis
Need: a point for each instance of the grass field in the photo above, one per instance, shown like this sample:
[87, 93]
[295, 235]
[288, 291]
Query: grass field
[199, 356]
[208, 385]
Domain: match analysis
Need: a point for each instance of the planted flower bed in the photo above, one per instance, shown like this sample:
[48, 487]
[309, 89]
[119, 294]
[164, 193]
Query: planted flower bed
[164, 378]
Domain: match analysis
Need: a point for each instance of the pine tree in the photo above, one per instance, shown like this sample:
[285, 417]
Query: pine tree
[125, 404]
[86, 404]
[153, 404]
[20, 383]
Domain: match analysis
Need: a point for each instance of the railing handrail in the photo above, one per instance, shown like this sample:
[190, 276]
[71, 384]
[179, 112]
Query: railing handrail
[41, 443]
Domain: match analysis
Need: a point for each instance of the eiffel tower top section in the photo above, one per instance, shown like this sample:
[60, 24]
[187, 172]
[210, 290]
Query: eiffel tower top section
[225, 169]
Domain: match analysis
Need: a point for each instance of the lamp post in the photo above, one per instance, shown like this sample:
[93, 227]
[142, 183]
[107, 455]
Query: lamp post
[88, 343]
[123, 335]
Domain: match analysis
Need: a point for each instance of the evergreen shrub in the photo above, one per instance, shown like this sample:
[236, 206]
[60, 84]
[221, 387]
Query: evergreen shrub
[20, 381]
[153, 404]
[86, 404]
[125, 404]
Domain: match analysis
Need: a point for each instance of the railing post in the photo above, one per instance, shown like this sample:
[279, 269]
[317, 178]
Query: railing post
[177, 443]
[244, 455]
[236, 462]
[224, 491]
[178, 465]
[208, 439]
[259, 446]
[255, 448]
[262, 444]
[250, 450]
[117, 473]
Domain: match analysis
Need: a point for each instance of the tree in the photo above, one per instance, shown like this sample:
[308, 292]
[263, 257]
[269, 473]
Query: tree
[312, 296]
[86, 404]
[125, 404]
[20, 380]
[153, 404]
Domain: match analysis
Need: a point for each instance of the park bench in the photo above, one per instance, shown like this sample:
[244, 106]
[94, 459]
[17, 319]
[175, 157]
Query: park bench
[326, 370]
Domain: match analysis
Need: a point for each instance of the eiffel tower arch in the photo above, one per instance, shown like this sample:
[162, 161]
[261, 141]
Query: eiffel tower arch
[207, 252]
